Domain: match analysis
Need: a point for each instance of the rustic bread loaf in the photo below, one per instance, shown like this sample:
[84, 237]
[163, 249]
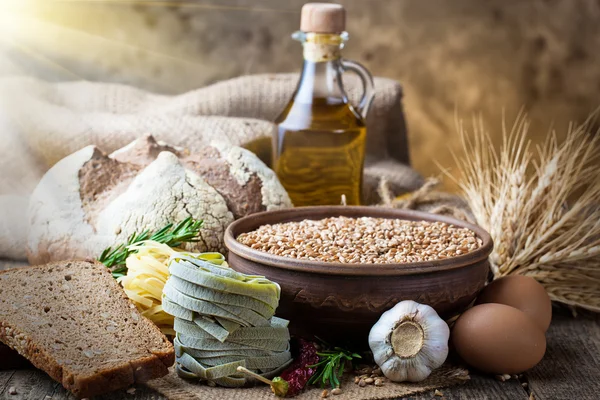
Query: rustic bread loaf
[72, 320]
[89, 200]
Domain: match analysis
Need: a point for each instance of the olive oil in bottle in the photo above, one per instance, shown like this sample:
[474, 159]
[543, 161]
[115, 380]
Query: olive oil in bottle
[319, 149]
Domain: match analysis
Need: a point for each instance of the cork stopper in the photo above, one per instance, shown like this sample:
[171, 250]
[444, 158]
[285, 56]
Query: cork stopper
[323, 18]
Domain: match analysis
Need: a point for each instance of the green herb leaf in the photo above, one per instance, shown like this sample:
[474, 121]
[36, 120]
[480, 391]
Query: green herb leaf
[184, 232]
[330, 367]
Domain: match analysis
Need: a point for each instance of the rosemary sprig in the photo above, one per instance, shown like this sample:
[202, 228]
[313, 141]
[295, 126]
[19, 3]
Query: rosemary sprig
[330, 367]
[173, 236]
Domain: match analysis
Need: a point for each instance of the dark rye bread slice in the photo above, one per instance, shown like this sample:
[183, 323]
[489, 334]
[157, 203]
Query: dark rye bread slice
[73, 320]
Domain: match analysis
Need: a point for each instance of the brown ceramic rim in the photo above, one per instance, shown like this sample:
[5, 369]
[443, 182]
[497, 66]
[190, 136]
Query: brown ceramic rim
[253, 221]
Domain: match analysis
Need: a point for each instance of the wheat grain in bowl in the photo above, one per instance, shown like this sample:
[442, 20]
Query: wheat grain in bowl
[365, 240]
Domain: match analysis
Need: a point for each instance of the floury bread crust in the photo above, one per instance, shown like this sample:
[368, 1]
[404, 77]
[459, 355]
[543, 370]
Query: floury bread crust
[73, 320]
[85, 204]
[246, 184]
[89, 201]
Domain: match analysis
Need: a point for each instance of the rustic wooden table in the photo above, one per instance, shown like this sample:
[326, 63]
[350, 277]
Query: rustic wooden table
[570, 370]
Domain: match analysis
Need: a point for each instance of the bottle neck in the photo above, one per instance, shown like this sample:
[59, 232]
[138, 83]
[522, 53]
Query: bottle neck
[321, 47]
[320, 80]
[322, 69]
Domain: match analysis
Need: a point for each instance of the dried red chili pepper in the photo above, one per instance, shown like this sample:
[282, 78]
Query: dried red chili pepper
[299, 372]
[296, 376]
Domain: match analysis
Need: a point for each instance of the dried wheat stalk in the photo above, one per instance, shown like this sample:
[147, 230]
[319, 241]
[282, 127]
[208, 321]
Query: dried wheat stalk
[541, 207]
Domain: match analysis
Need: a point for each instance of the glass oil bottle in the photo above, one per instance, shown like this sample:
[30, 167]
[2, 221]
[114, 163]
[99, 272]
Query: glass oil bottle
[319, 149]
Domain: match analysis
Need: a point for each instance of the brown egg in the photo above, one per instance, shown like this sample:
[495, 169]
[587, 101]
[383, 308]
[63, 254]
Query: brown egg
[499, 339]
[522, 292]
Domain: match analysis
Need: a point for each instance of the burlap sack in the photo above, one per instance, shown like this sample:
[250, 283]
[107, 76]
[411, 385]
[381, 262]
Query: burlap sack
[175, 388]
[41, 123]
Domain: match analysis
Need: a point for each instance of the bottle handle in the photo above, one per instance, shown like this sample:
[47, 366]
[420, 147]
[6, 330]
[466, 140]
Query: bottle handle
[367, 83]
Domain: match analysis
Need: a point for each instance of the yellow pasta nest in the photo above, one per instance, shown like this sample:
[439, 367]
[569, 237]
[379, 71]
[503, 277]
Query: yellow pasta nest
[147, 273]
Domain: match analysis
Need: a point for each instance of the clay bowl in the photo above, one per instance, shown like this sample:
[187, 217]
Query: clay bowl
[334, 300]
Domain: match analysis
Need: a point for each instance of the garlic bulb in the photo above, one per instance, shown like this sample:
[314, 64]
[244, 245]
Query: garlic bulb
[409, 341]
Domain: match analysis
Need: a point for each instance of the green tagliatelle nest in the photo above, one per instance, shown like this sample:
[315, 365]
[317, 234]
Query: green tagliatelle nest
[223, 320]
